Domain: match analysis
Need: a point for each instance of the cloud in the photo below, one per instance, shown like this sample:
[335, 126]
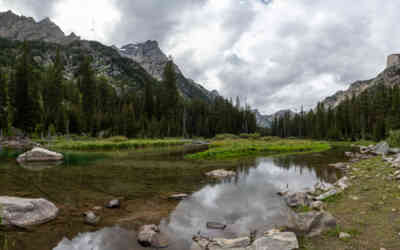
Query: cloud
[275, 54]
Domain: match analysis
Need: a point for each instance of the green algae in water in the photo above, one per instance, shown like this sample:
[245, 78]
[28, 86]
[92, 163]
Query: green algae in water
[82, 158]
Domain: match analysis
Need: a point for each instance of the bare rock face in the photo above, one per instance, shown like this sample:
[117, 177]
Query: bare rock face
[22, 28]
[312, 223]
[22, 212]
[38, 155]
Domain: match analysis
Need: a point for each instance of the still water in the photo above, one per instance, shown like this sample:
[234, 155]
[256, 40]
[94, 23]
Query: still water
[244, 203]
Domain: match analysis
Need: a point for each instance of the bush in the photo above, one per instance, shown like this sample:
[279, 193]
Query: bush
[394, 138]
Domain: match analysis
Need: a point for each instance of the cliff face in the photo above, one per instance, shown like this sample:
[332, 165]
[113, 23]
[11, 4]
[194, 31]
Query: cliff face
[389, 77]
[23, 28]
[133, 64]
[153, 60]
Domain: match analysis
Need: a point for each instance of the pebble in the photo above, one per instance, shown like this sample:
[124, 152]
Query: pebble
[113, 204]
[343, 235]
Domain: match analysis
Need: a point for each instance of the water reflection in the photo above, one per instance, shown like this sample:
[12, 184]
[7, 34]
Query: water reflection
[248, 201]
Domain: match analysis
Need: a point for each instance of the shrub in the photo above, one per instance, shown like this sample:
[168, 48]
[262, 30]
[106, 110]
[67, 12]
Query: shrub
[394, 138]
[250, 136]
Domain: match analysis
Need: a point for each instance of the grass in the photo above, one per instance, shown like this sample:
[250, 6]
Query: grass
[236, 148]
[114, 143]
[372, 219]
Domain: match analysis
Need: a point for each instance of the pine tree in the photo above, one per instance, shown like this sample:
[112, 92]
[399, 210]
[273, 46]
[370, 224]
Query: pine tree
[88, 89]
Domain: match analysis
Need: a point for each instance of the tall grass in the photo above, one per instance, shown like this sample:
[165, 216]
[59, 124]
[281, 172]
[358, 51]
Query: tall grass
[231, 148]
[115, 144]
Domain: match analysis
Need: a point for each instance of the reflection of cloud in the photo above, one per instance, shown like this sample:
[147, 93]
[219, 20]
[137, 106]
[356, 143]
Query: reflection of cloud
[246, 203]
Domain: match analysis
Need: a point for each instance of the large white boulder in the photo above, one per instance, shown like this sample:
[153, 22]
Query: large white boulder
[39, 154]
[23, 212]
[220, 173]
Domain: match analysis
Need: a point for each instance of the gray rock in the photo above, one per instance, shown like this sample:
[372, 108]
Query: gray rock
[91, 218]
[382, 148]
[317, 205]
[215, 225]
[276, 241]
[178, 197]
[343, 235]
[394, 150]
[220, 173]
[150, 236]
[298, 199]
[23, 212]
[311, 224]
[328, 194]
[114, 204]
[39, 155]
[343, 183]
[339, 165]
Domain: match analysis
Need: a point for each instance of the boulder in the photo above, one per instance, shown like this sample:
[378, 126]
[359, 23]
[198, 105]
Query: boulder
[317, 205]
[220, 173]
[297, 199]
[382, 148]
[276, 241]
[272, 240]
[39, 155]
[328, 194]
[311, 223]
[23, 212]
[364, 150]
[150, 236]
[324, 187]
[344, 235]
[394, 150]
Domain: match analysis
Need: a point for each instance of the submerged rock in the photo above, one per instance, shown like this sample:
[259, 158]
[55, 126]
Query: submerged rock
[340, 165]
[91, 218]
[178, 197]
[23, 212]
[113, 204]
[38, 155]
[221, 173]
[311, 224]
[215, 225]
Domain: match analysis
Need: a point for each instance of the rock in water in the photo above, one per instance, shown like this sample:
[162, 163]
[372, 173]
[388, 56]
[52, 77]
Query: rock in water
[39, 154]
[150, 236]
[221, 173]
[22, 212]
[382, 148]
[91, 218]
[178, 197]
[311, 224]
[297, 199]
[114, 204]
[328, 194]
[215, 225]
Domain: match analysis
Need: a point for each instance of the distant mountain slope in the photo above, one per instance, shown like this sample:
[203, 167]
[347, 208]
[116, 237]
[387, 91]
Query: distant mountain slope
[389, 77]
[131, 66]
[152, 58]
[265, 121]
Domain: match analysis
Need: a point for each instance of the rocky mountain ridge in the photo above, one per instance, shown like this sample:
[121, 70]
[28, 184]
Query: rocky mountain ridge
[265, 121]
[132, 65]
[153, 60]
[21, 28]
[389, 77]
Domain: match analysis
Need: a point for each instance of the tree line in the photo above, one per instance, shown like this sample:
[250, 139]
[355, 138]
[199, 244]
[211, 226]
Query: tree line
[370, 116]
[40, 100]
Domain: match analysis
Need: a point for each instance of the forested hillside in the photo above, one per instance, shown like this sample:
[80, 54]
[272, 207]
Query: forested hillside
[48, 88]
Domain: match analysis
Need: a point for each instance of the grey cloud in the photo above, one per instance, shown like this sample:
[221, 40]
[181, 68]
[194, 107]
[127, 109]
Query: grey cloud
[38, 8]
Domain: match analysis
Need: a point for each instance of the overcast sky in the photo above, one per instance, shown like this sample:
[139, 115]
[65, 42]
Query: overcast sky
[276, 54]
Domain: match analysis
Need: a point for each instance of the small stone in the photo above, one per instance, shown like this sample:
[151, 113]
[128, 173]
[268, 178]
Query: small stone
[97, 208]
[394, 210]
[355, 198]
[91, 218]
[215, 225]
[343, 235]
[178, 197]
[114, 204]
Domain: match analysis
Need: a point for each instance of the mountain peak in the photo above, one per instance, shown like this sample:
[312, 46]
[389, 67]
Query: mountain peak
[16, 27]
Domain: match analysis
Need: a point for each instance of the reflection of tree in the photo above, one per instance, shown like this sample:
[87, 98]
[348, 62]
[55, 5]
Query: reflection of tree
[317, 164]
